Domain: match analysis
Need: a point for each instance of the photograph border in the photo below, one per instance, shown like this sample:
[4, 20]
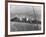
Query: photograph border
[6, 17]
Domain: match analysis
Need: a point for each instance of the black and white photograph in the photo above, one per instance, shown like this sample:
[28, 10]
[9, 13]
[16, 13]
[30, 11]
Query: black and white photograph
[24, 18]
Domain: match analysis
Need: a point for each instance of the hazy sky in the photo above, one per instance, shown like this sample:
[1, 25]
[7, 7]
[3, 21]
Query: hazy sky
[25, 10]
